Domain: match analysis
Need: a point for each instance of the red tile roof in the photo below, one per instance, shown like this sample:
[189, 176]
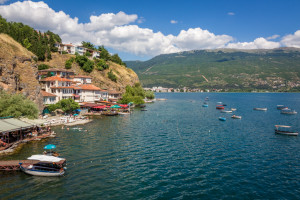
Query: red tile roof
[87, 87]
[47, 94]
[56, 78]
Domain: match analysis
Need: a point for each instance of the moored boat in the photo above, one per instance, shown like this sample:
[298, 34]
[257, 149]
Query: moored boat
[204, 105]
[226, 111]
[281, 107]
[46, 166]
[261, 109]
[222, 118]
[288, 112]
[233, 109]
[236, 117]
[220, 107]
[284, 130]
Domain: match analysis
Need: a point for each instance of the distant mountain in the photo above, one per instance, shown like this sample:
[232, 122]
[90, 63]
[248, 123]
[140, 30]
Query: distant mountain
[227, 69]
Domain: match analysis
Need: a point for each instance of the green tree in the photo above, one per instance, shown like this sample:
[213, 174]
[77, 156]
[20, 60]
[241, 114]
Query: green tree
[69, 62]
[16, 105]
[26, 43]
[67, 105]
[88, 66]
[149, 94]
[100, 64]
[134, 94]
[104, 54]
[88, 45]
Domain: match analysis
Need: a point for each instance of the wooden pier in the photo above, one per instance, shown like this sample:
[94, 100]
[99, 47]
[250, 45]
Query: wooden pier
[11, 165]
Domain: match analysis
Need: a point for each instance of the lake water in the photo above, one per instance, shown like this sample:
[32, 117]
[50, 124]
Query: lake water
[175, 150]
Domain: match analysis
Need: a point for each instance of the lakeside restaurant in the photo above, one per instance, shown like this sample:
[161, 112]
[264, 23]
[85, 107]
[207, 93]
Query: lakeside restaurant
[14, 130]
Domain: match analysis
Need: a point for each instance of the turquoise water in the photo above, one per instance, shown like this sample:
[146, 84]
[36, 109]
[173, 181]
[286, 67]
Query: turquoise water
[175, 150]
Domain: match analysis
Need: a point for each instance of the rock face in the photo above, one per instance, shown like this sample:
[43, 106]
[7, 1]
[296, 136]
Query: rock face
[18, 72]
[125, 76]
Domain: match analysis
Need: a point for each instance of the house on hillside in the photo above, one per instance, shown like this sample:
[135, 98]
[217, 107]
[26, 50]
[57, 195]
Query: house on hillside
[63, 73]
[82, 79]
[48, 98]
[72, 49]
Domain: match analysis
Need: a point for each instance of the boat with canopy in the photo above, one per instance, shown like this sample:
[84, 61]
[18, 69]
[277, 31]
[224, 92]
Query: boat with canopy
[284, 130]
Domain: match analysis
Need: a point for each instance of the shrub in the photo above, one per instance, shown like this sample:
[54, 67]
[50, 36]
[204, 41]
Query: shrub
[112, 76]
[69, 62]
[101, 64]
[43, 66]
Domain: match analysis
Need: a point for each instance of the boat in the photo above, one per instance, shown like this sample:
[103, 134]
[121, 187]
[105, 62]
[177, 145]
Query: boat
[224, 104]
[236, 117]
[226, 111]
[288, 112]
[233, 109]
[220, 107]
[204, 105]
[261, 109]
[206, 99]
[124, 113]
[281, 107]
[44, 165]
[143, 109]
[283, 130]
[222, 118]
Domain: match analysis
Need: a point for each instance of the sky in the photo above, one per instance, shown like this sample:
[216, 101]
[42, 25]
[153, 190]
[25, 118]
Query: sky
[142, 29]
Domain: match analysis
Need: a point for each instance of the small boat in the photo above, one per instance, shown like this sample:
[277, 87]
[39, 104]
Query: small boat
[222, 118]
[226, 111]
[224, 104]
[206, 99]
[236, 117]
[283, 130]
[220, 107]
[143, 109]
[124, 113]
[219, 102]
[44, 165]
[281, 107]
[233, 109]
[261, 109]
[204, 105]
[288, 112]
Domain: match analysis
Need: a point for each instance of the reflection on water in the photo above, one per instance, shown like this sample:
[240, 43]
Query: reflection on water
[176, 149]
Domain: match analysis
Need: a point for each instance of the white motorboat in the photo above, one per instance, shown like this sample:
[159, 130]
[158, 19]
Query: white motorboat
[284, 130]
[44, 165]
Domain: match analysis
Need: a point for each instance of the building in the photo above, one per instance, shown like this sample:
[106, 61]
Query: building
[72, 49]
[82, 79]
[48, 98]
[63, 73]
[114, 96]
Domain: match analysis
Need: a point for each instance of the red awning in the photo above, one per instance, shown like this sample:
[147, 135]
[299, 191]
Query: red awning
[100, 107]
[123, 105]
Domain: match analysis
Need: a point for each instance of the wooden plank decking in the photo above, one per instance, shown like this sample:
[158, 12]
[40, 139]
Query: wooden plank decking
[9, 165]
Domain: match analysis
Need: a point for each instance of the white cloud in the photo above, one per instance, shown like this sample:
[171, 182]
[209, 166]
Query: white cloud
[258, 43]
[173, 22]
[3, 1]
[231, 13]
[141, 20]
[273, 37]
[200, 39]
[120, 32]
[292, 40]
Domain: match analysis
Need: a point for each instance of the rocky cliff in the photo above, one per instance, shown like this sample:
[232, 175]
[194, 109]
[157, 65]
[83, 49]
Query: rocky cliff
[18, 71]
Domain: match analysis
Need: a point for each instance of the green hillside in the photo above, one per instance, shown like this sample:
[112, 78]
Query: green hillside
[227, 69]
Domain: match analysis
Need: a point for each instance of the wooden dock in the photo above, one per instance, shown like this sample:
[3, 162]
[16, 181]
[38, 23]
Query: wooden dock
[10, 165]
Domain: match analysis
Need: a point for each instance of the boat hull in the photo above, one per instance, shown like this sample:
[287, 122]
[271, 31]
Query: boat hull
[261, 109]
[41, 173]
[222, 119]
[286, 133]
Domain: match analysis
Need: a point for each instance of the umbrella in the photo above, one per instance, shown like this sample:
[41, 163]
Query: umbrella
[75, 114]
[116, 106]
[77, 110]
[50, 146]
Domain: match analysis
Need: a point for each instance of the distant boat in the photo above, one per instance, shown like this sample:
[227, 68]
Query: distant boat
[206, 99]
[226, 111]
[281, 107]
[288, 112]
[261, 109]
[222, 118]
[283, 130]
[161, 99]
[204, 105]
[236, 117]
[224, 104]
[220, 107]
[143, 109]
[233, 109]
[220, 102]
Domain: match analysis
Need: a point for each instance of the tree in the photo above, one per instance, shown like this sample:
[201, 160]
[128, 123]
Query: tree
[149, 94]
[100, 64]
[104, 53]
[134, 94]
[88, 66]
[69, 62]
[16, 105]
[67, 105]
[88, 45]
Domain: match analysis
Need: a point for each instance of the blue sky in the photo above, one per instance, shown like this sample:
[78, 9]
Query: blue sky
[139, 30]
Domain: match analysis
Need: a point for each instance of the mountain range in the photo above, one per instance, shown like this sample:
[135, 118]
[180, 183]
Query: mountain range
[223, 69]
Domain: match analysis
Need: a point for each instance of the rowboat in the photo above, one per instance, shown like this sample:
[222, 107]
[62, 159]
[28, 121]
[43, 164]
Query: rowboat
[288, 112]
[283, 130]
[222, 118]
[204, 105]
[236, 117]
[226, 111]
[233, 109]
[261, 109]
[46, 166]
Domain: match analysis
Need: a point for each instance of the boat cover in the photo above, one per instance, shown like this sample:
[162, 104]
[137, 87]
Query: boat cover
[45, 158]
